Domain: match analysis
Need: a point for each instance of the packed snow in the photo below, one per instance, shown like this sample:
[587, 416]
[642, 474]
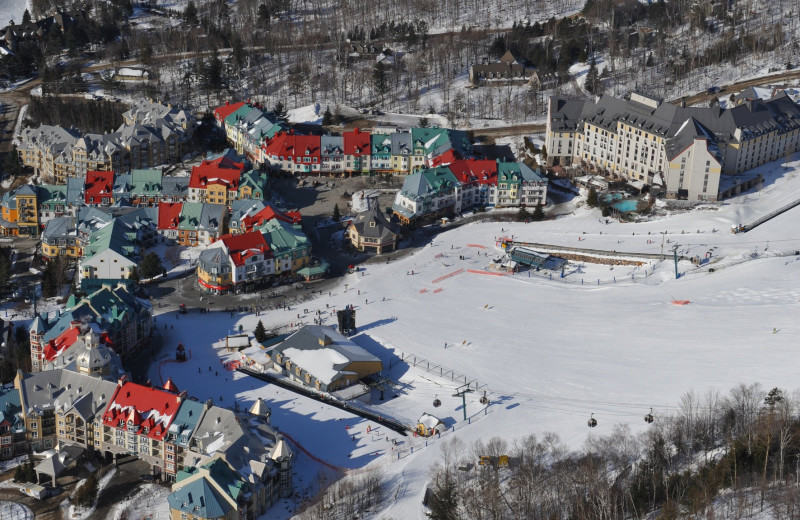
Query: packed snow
[548, 351]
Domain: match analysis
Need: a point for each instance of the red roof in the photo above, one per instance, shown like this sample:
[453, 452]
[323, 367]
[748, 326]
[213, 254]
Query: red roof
[445, 159]
[474, 170]
[98, 186]
[289, 144]
[147, 408]
[356, 143]
[55, 347]
[227, 109]
[170, 385]
[169, 214]
[219, 171]
[241, 247]
[267, 214]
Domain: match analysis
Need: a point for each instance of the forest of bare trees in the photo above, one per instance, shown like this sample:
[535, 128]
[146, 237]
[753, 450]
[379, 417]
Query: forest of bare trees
[713, 456]
[298, 52]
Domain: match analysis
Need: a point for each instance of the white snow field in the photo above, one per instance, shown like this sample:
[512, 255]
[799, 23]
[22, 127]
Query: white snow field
[548, 352]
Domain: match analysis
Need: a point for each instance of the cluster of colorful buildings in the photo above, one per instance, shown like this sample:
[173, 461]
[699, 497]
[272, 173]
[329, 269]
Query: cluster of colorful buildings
[152, 134]
[445, 191]
[223, 463]
[264, 246]
[121, 319]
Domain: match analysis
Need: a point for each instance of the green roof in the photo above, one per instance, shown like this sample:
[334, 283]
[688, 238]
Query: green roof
[114, 236]
[227, 479]
[146, 182]
[238, 114]
[52, 194]
[190, 215]
[283, 237]
[256, 180]
[200, 499]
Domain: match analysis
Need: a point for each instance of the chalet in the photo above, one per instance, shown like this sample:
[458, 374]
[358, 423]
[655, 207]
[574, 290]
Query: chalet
[371, 230]
[511, 68]
[317, 356]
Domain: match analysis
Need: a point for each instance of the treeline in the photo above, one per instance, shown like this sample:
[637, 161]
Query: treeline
[746, 444]
[352, 497]
[89, 116]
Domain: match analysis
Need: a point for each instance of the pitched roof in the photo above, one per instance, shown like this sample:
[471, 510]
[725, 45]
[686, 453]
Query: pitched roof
[481, 171]
[151, 410]
[169, 214]
[323, 352]
[200, 499]
[220, 113]
[241, 247]
[217, 171]
[97, 186]
[373, 224]
[356, 142]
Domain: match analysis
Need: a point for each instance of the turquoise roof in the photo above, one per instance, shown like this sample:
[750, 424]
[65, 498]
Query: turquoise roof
[52, 195]
[257, 180]
[115, 236]
[283, 237]
[185, 421]
[238, 114]
[200, 499]
[190, 215]
[146, 183]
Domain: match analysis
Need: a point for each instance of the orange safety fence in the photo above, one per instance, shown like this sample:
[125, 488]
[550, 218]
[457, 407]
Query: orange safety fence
[423, 291]
[437, 290]
[490, 273]
[476, 245]
[445, 277]
[681, 302]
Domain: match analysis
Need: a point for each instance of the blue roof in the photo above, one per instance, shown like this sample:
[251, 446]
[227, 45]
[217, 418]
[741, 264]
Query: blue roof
[200, 499]
[185, 421]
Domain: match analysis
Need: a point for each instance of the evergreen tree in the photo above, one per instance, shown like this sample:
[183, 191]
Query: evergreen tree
[134, 274]
[592, 78]
[444, 504]
[26, 17]
[150, 266]
[336, 213]
[522, 214]
[260, 333]
[11, 164]
[423, 122]
[190, 14]
[591, 200]
[263, 16]
[379, 79]
[327, 117]
[649, 62]
[339, 117]
[279, 111]
[538, 214]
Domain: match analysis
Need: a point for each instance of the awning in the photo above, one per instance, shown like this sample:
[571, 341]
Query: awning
[210, 286]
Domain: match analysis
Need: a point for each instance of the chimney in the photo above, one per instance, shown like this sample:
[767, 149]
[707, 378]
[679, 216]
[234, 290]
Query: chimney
[122, 380]
[325, 340]
[73, 324]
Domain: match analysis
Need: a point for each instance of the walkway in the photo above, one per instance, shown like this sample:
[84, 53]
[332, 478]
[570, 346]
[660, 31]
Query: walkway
[769, 216]
[596, 252]
[311, 394]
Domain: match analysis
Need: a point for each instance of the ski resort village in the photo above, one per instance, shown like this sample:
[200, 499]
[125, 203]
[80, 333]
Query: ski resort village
[508, 259]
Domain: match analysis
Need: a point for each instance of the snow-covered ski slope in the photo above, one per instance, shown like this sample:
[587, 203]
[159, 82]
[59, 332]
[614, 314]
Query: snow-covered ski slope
[548, 352]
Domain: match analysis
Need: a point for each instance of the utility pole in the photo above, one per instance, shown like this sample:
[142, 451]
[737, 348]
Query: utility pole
[675, 256]
[663, 237]
[462, 392]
